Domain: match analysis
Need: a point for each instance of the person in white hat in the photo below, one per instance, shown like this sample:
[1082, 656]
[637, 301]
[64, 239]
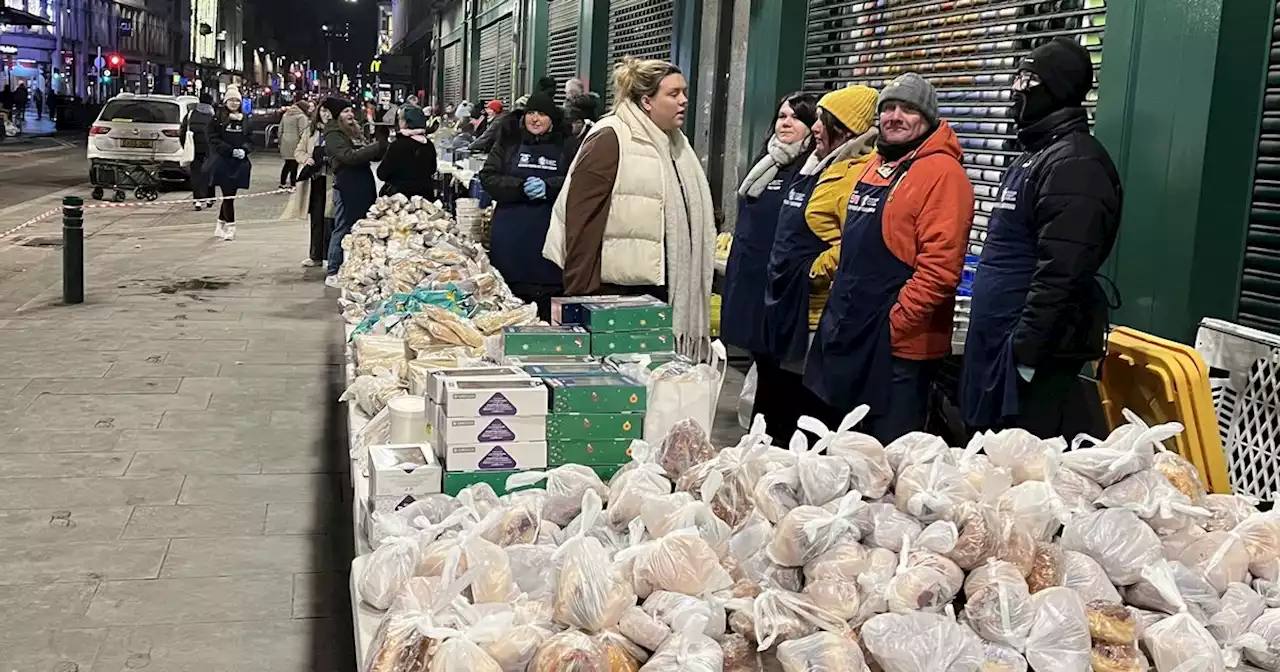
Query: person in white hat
[230, 169]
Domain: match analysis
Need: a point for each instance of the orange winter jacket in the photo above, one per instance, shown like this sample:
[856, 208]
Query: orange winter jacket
[926, 224]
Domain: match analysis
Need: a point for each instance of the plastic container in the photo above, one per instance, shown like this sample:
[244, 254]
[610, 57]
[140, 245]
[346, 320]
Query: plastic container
[408, 420]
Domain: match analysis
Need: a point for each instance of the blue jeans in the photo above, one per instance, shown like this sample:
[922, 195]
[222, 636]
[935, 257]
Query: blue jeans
[341, 227]
[909, 388]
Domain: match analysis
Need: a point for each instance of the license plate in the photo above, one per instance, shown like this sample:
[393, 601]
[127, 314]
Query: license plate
[137, 144]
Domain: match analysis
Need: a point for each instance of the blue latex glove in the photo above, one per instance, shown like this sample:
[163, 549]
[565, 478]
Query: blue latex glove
[535, 188]
[1026, 373]
[238, 153]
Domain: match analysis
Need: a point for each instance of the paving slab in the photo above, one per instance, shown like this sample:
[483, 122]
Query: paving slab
[33, 561]
[183, 521]
[57, 650]
[238, 556]
[282, 645]
[86, 523]
[198, 600]
[230, 461]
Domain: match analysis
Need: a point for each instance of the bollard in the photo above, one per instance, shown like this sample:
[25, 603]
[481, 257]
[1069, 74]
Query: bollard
[72, 250]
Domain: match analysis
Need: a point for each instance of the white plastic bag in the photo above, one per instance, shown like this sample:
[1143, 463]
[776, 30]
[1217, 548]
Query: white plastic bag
[885, 526]
[680, 562]
[1261, 536]
[998, 605]
[1150, 495]
[1020, 451]
[915, 448]
[1178, 643]
[747, 397]
[591, 592]
[923, 582]
[869, 470]
[777, 492]
[1084, 575]
[930, 491]
[1241, 606]
[628, 489]
[687, 650]
[922, 642]
[780, 616]
[1266, 652]
[1059, 638]
[678, 391]
[643, 629]
[1129, 449]
[1221, 557]
[565, 486]
[1000, 658]
[533, 569]
[1117, 539]
[397, 557]
[821, 652]
[808, 531]
[685, 445]
[823, 478]
[1198, 595]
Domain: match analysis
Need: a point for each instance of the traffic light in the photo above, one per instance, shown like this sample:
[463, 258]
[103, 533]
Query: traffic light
[114, 60]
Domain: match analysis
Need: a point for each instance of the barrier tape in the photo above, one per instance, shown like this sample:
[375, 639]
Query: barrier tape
[141, 204]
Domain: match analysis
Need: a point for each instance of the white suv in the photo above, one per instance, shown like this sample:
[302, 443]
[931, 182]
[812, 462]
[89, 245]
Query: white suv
[142, 128]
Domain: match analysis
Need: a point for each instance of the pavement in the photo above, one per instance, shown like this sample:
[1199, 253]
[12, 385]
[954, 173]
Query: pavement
[173, 492]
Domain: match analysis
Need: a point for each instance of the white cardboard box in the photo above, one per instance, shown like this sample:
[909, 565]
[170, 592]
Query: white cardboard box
[447, 431]
[496, 456]
[492, 398]
[398, 470]
[437, 377]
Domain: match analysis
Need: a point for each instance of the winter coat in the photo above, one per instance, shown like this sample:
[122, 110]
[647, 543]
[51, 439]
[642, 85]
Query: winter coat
[352, 172]
[293, 125]
[198, 121]
[409, 167]
[489, 136]
[300, 200]
[227, 133]
[1078, 197]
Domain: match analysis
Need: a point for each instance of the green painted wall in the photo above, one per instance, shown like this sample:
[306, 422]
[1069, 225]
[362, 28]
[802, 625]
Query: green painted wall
[536, 39]
[775, 67]
[593, 46]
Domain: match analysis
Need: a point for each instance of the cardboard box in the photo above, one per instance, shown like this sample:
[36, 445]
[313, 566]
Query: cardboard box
[447, 431]
[469, 398]
[567, 310]
[456, 482]
[575, 369]
[630, 314]
[656, 359]
[515, 456]
[590, 453]
[436, 377]
[606, 471]
[398, 470]
[388, 504]
[639, 342]
[614, 393]
[594, 426]
[534, 360]
[545, 340]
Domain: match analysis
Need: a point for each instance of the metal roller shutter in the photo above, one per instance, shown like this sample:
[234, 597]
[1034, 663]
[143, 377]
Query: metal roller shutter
[487, 72]
[640, 28]
[504, 72]
[453, 73]
[1260, 279]
[969, 49]
[562, 41]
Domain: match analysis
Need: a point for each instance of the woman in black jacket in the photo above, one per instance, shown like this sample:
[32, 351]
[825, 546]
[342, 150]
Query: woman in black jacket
[230, 168]
[524, 174]
[353, 184]
[409, 167]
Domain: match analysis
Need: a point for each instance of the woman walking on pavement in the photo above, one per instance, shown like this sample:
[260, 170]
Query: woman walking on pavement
[293, 125]
[230, 169]
[197, 124]
[354, 187]
[314, 195]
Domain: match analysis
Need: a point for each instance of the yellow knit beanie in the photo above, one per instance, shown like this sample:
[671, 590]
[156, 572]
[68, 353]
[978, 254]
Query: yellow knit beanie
[854, 106]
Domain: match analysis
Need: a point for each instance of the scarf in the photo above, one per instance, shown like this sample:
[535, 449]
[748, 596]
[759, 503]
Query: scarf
[690, 232]
[850, 149]
[417, 134]
[777, 156]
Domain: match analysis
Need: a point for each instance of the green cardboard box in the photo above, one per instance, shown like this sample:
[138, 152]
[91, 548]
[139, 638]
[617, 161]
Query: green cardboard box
[536, 360]
[632, 342]
[590, 453]
[606, 471]
[594, 426]
[613, 393]
[656, 359]
[454, 482]
[626, 314]
[545, 340]
[568, 369]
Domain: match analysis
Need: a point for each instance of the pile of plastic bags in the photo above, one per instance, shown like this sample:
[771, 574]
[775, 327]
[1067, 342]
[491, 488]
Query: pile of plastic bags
[842, 554]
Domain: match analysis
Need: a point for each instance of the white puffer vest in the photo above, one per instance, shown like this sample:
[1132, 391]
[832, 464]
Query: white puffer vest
[633, 252]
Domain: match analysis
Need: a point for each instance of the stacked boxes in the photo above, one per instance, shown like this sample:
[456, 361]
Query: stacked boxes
[618, 324]
[399, 475]
[594, 418]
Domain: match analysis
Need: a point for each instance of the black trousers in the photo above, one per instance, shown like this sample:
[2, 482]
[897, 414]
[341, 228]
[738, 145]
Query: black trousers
[228, 211]
[321, 226]
[289, 170]
[1044, 402]
[200, 188]
[910, 385]
[782, 398]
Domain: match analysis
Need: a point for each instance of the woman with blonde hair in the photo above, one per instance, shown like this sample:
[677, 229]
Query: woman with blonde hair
[635, 214]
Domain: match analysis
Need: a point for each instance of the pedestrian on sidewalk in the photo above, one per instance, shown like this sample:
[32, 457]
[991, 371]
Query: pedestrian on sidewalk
[314, 195]
[51, 101]
[350, 159]
[39, 98]
[230, 168]
[410, 164]
[197, 125]
[292, 127]
[20, 96]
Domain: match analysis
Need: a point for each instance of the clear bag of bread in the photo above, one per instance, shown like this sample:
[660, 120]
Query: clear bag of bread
[837, 596]
[515, 521]
[570, 651]
[592, 592]
[1149, 494]
[508, 638]
[823, 478]
[1000, 658]
[629, 489]
[1128, 450]
[1265, 650]
[1182, 474]
[372, 393]
[643, 629]
[883, 525]
[777, 616]
[930, 491]
[1200, 598]
[821, 652]
[686, 445]
[400, 643]
[1261, 536]
[869, 470]
[1177, 541]
[1047, 568]
[921, 642]
[623, 654]
[978, 524]
[693, 514]
[1035, 506]
[1241, 606]
[665, 606]
[938, 537]
[749, 563]
[1084, 575]
[1220, 557]
[915, 448]
[687, 650]
[397, 557]
[533, 569]
[1117, 539]
[1178, 643]
[1059, 636]
[564, 486]
[386, 352]
[492, 580]
[1021, 452]
[777, 492]
[1228, 511]
[808, 531]
[680, 562]
[844, 561]
[742, 467]
[454, 650]
[998, 604]
[924, 581]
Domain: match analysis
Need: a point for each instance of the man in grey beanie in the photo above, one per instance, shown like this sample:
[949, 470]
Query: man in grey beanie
[908, 114]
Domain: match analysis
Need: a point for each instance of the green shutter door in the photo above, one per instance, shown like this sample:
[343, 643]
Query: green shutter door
[640, 28]
[453, 73]
[505, 68]
[969, 50]
[562, 41]
[490, 39]
[1260, 279]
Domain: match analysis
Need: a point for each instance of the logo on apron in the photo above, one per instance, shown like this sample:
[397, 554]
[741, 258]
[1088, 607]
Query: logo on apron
[794, 199]
[541, 163]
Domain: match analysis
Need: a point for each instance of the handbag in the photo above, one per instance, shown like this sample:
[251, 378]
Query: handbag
[188, 150]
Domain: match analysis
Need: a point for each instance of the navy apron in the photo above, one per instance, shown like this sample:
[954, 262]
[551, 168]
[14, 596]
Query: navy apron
[786, 299]
[520, 229]
[989, 382]
[746, 275]
[851, 361]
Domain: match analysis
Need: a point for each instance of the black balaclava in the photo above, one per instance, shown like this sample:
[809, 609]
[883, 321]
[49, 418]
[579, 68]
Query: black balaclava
[1066, 75]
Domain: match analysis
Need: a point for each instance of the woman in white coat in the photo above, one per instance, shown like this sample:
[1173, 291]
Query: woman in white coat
[293, 125]
[314, 195]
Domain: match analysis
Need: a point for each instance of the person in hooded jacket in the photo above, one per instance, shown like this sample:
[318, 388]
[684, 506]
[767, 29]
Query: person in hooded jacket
[887, 322]
[409, 166]
[1039, 315]
[355, 190]
[293, 125]
[230, 168]
[803, 254]
[524, 174]
[198, 121]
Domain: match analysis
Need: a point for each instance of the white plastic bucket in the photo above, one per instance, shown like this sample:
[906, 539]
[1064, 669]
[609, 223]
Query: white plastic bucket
[408, 420]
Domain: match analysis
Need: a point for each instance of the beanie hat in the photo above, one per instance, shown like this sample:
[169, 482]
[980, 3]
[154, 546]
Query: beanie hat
[335, 105]
[915, 91]
[1064, 68]
[232, 91]
[495, 106]
[539, 101]
[413, 117]
[853, 106]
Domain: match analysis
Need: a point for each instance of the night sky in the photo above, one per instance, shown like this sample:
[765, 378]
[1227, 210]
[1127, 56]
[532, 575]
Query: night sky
[294, 25]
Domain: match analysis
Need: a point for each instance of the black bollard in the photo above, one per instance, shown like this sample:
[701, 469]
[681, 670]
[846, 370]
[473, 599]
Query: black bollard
[72, 250]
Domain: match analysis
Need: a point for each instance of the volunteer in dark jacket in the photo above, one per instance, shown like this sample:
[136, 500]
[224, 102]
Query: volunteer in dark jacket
[409, 167]
[524, 174]
[888, 319]
[197, 123]
[230, 168]
[353, 184]
[1038, 313]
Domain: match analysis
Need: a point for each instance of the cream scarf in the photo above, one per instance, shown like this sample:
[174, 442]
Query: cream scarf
[690, 232]
[779, 154]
